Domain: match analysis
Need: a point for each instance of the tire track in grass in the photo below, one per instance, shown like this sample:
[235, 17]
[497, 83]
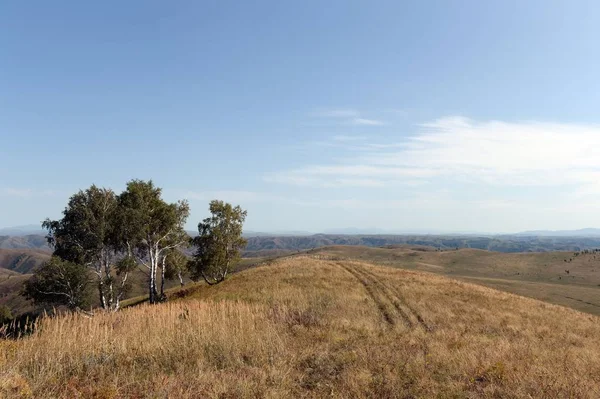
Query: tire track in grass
[409, 315]
[399, 299]
[390, 312]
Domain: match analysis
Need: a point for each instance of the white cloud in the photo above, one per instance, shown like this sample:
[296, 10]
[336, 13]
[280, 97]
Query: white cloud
[367, 122]
[459, 149]
[347, 117]
[344, 138]
[336, 113]
[296, 178]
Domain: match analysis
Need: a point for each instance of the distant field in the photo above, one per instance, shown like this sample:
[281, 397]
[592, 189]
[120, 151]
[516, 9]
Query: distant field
[314, 328]
[541, 275]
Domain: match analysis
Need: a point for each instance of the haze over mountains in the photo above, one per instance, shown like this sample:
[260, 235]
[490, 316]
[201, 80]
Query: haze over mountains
[267, 244]
[587, 232]
[34, 229]
[22, 230]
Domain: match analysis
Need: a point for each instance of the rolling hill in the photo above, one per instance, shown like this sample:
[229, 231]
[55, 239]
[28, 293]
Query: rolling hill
[507, 244]
[31, 241]
[22, 260]
[15, 268]
[563, 278]
[315, 326]
[262, 244]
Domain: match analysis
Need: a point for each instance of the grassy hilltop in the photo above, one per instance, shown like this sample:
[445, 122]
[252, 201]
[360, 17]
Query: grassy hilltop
[312, 327]
[563, 278]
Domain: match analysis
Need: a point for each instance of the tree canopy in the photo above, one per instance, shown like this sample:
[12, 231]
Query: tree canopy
[152, 227]
[88, 235]
[218, 243]
[60, 282]
[103, 237]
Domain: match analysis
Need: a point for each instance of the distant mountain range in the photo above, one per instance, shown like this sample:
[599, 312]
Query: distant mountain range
[263, 246]
[22, 260]
[588, 232]
[269, 243]
[36, 229]
[22, 230]
[31, 241]
[250, 233]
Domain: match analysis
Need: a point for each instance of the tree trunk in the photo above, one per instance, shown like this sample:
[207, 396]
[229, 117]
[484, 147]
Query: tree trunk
[109, 302]
[207, 280]
[180, 277]
[151, 298]
[108, 290]
[151, 282]
[101, 292]
[121, 292]
[162, 279]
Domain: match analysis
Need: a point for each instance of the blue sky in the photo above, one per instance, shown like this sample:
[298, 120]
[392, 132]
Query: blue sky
[313, 115]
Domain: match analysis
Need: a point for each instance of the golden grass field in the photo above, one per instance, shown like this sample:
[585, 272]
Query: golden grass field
[307, 327]
[539, 275]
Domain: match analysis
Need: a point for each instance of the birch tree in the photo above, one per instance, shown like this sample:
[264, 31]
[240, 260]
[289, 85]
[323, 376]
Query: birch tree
[86, 236]
[218, 243]
[152, 228]
[175, 265]
[59, 282]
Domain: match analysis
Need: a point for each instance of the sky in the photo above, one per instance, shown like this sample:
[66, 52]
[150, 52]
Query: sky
[428, 116]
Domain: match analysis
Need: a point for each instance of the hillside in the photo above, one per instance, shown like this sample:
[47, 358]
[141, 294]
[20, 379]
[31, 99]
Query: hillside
[31, 241]
[22, 260]
[268, 245]
[507, 244]
[556, 277]
[10, 288]
[15, 266]
[313, 328]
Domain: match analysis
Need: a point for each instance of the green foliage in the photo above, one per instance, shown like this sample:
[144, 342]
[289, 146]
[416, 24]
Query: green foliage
[59, 282]
[113, 234]
[176, 263]
[151, 228]
[89, 234]
[86, 227]
[5, 314]
[219, 242]
[125, 265]
[148, 218]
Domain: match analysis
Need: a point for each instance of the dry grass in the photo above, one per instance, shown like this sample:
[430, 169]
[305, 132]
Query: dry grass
[537, 275]
[303, 327]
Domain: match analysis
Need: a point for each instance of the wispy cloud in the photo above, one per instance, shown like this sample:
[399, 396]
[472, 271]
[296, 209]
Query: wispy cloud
[299, 178]
[367, 122]
[336, 113]
[344, 138]
[347, 117]
[460, 149]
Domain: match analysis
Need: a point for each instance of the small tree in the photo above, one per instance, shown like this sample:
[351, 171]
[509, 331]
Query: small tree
[175, 264]
[151, 228]
[88, 235]
[219, 243]
[5, 315]
[59, 282]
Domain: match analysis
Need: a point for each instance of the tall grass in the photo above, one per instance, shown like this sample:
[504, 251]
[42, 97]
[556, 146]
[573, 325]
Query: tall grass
[314, 328]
